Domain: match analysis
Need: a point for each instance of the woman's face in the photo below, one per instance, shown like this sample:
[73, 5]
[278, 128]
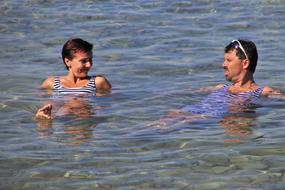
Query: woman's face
[80, 64]
[233, 66]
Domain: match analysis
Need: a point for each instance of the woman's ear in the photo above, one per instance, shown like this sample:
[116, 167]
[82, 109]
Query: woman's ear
[67, 62]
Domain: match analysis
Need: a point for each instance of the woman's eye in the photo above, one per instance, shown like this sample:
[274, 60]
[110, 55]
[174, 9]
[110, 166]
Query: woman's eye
[84, 61]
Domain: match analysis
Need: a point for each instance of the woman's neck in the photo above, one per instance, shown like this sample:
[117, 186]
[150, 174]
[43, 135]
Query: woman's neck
[72, 81]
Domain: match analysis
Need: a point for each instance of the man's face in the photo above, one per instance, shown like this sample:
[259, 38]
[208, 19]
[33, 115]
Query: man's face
[232, 66]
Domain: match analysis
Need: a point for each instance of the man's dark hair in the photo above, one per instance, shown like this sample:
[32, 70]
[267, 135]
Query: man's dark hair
[250, 51]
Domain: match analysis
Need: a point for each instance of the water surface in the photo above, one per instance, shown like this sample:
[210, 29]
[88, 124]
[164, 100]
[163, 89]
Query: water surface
[155, 53]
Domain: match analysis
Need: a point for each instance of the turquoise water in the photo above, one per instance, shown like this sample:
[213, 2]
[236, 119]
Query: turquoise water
[155, 53]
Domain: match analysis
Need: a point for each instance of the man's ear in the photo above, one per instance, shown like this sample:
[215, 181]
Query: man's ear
[245, 63]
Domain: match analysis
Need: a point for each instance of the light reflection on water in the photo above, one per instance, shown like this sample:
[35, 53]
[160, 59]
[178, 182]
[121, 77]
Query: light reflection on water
[155, 53]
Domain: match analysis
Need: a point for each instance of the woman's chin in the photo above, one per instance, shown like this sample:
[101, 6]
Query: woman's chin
[82, 75]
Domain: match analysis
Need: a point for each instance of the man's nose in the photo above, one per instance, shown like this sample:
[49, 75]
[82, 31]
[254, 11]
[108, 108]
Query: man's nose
[224, 64]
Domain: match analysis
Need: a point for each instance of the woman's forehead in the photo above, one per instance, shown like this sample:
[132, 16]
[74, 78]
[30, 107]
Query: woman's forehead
[82, 54]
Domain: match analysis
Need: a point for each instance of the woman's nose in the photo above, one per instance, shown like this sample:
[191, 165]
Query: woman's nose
[88, 64]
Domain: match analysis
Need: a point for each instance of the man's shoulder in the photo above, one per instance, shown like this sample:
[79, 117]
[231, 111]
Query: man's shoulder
[219, 86]
[210, 89]
[267, 91]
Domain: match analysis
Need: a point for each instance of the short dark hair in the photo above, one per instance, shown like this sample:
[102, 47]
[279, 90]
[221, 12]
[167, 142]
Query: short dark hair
[73, 46]
[250, 50]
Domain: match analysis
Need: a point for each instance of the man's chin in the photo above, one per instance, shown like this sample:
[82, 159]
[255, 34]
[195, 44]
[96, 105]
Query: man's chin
[227, 78]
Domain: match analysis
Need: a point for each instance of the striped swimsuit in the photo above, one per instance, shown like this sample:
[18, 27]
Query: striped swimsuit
[222, 102]
[88, 89]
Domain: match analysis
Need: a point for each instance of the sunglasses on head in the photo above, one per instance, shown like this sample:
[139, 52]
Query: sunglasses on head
[238, 45]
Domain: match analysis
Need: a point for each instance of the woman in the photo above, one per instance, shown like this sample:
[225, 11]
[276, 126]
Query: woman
[77, 57]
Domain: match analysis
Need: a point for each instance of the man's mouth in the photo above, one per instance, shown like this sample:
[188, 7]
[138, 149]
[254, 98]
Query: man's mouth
[226, 72]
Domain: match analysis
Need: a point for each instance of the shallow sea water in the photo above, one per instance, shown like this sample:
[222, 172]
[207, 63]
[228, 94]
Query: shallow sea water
[156, 54]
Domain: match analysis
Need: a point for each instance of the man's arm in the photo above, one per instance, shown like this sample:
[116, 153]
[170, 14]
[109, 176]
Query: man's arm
[210, 89]
[272, 93]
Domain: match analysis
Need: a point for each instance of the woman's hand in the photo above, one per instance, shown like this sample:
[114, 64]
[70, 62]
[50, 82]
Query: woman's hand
[44, 112]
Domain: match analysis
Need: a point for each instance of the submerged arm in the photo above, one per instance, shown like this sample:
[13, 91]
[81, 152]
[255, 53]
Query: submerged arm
[45, 111]
[272, 93]
[210, 89]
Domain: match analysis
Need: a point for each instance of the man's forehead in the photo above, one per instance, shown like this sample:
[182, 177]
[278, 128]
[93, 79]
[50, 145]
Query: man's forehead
[230, 53]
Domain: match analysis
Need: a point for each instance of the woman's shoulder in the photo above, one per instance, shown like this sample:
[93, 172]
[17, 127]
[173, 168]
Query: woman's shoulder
[101, 82]
[48, 83]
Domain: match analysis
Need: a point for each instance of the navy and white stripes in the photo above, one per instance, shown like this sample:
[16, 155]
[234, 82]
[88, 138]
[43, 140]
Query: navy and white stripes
[222, 102]
[88, 89]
